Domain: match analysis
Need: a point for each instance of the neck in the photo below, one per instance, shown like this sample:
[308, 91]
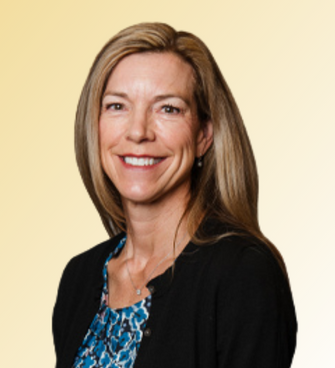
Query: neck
[151, 228]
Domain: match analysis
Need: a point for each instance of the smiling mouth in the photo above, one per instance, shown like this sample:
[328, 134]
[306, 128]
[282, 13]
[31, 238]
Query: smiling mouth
[141, 161]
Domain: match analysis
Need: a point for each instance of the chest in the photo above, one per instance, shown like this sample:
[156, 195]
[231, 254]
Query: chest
[127, 283]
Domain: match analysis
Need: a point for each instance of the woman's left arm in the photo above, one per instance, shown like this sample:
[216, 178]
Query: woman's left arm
[256, 317]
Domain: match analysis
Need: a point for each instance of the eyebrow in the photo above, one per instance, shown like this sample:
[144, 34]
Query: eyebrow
[156, 98]
[171, 95]
[117, 94]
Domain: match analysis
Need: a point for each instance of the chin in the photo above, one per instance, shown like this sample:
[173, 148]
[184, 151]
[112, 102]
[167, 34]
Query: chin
[138, 197]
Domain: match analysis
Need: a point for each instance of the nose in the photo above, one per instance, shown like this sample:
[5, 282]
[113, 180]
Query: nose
[140, 127]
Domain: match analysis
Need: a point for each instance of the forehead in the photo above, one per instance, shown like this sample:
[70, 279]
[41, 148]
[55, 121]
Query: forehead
[158, 73]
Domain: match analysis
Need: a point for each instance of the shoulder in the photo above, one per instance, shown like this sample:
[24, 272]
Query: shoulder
[235, 256]
[87, 266]
[79, 291]
[245, 253]
[246, 275]
[229, 243]
[83, 273]
[254, 306]
[95, 254]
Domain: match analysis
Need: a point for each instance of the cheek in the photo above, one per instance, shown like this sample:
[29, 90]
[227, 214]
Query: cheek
[182, 136]
[103, 135]
[106, 143]
[108, 135]
[187, 139]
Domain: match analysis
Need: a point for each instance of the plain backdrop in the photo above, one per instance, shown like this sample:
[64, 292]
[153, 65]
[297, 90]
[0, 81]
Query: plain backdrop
[278, 58]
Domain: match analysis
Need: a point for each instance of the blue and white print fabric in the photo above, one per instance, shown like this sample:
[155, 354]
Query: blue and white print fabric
[114, 337]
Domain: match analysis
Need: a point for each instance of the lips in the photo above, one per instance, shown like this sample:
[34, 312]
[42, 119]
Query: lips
[141, 161]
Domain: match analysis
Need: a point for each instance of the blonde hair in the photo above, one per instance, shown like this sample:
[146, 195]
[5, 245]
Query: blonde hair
[226, 187]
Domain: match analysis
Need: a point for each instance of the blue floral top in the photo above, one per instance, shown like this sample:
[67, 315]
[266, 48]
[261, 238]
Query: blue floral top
[114, 337]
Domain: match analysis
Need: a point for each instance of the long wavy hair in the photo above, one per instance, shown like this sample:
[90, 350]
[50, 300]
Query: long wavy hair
[226, 187]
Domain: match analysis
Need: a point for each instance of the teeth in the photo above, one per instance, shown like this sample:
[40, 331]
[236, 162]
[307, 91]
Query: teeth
[135, 161]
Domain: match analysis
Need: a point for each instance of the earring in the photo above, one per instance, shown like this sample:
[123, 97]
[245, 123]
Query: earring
[200, 161]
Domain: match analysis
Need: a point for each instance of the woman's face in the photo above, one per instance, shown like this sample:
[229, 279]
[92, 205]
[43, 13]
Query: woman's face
[148, 129]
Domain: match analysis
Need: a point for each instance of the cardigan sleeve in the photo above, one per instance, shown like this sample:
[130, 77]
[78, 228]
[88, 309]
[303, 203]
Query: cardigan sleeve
[255, 314]
[60, 308]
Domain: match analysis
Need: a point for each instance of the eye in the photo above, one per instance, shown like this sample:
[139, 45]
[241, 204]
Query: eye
[114, 106]
[169, 109]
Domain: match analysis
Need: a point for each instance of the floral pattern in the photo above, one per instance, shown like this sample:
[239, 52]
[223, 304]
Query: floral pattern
[114, 337]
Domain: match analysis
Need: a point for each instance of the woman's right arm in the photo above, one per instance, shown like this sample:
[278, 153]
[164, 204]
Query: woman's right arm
[60, 308]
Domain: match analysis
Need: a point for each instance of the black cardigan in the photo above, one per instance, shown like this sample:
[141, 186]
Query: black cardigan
[226, 305]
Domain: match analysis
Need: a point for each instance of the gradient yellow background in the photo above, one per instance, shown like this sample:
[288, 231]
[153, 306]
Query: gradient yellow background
[278, 58]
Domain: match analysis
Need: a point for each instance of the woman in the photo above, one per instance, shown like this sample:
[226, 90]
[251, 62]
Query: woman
[187, 278]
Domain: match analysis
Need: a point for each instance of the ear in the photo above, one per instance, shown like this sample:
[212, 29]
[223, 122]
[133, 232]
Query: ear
[205, 138]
